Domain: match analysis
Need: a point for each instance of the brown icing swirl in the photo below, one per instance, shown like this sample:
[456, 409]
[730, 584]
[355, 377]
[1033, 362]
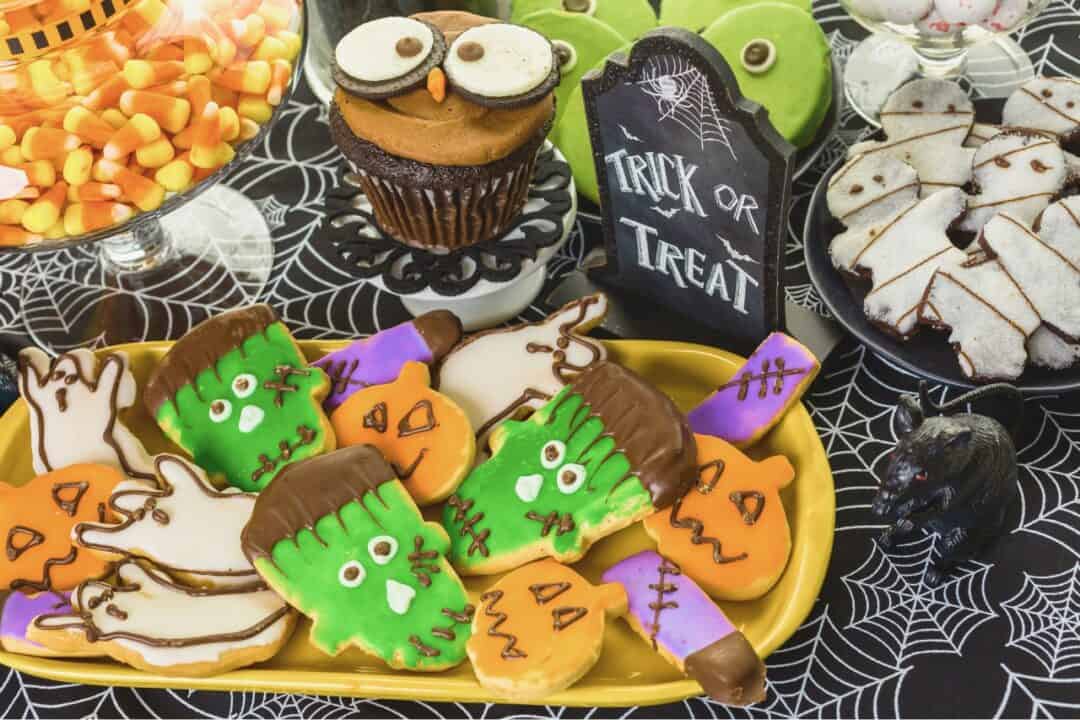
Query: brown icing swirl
[729, 671]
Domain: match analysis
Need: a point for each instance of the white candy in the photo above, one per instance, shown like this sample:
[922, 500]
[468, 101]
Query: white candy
[935, 24]
[870, 188]
[516, 60]
[969, 12]
[905, 12]
[369, 52]
[1015, 173]
[1047, 104]
[1007, 15]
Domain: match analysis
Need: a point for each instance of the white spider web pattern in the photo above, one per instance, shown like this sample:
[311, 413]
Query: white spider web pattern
[1049, 495]
[1044, 620]
[1037, 697]
[682, 94]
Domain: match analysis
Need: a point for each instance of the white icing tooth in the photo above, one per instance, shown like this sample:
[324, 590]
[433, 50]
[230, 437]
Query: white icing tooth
[250, 418]
[399, 596]
[528, 487]
[369, 53]
[514, 61]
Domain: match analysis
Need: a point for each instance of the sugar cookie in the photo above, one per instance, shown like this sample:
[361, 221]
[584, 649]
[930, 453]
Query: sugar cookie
[338, 533]
[1046, 104]
[629, 18]
[540, 629]
[680, 621]
[19, 611]
[870, 188]
[237, 393]
[424, 435]
[607, 451]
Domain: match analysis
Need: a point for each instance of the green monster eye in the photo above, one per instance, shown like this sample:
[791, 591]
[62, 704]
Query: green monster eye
[244, 385]
[351, 574]
[382, 549]
[570, 478]
[552, 455]
[220, 410]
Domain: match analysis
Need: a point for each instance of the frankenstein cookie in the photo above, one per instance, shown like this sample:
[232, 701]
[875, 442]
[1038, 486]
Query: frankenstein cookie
[237, 393]
[540, 629]
[606, 452]
[340, 539]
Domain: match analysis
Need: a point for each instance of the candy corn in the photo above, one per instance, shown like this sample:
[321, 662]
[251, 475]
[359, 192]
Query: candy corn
[77, 166]
[252, 77]
[140, 130]
[155, 154]
[141, 74]
[45, 211]
[170, 113]
[93, 192]
[90, 128]
[42, 143]
[86, 217]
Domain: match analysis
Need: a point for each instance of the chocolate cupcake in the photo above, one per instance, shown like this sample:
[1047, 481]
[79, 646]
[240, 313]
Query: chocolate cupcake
[442, 114]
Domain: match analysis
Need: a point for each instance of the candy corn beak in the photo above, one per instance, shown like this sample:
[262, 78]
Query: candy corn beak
[436, 84]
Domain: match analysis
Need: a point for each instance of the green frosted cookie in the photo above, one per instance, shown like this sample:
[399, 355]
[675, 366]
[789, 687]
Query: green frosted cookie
[581, 42]
[781, 58]
[629, 18]
[697, 15]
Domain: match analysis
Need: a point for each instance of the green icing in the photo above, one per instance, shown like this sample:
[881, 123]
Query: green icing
[222, 447]
[307, 570]
[629, 18]
[592, 40]
[797, 90]
[606, 500]
[696, 15]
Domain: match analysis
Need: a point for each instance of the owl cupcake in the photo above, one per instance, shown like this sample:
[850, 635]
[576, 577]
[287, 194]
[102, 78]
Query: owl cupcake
[441, 115]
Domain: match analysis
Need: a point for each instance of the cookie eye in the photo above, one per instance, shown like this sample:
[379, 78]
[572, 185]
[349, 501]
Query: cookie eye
[587, 7]
[570, 478]
[758, 56]
[551, 456]
[419, 419]
[220, 410]
[501, 65]
[388, 57]
[565, 54]
[351, 574]
[243, 385]
[382, 549]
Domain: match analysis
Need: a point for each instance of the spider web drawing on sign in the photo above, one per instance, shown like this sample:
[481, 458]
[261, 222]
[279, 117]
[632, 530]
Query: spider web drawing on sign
[683, 95]
[1043, 621]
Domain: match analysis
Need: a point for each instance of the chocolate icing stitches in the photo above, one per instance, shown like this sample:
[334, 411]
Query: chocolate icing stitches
[510, 649]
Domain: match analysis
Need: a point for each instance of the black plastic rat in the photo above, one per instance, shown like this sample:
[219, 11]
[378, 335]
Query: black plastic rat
[953, 475]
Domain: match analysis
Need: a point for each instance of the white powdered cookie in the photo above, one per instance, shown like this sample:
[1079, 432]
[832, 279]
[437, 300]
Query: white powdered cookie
[938, 110]
[980, 134]
[870, 188]
[1017, 173]
[901, 255]
[940, 164]
[1048, 349]
[1046, 104]
[989, 317]
[1049, 279]
[1059, 228]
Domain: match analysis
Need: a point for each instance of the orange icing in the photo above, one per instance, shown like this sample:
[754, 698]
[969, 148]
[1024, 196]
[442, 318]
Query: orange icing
[422, 433]
[756, 552]
[50, 506]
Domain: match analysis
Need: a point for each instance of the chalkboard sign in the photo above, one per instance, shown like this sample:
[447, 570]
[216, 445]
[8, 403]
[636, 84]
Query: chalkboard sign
[694, 186]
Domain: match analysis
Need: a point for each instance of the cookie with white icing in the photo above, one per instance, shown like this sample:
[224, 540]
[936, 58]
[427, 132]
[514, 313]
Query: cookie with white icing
[388, 57]
[148, 621]
[1046, 104]
[940, 165]
[184, 526]
[478, 61]
[980, 134]
[1059, 228]
[18, 614]
[870, 188]
[1018, 173]
[1048, 349]
[932, 110]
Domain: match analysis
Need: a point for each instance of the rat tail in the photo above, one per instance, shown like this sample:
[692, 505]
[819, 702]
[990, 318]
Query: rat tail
[1005, 391]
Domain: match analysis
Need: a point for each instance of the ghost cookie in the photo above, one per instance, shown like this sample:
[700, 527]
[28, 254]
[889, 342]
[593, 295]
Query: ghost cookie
[539, 630]
[423, 434]
[870, 188]
[606, 452]
[378, 359]
[340, 539]
[901, 254]
[729, 532]
[761, 392]
[629, 18]
[183, 526]
[148, 621]
[75, 405]
[523, 366]
[1046, 104]
[36, 522]
[1018, 173]
[679, 620]
[19, 612]
[237, 393]
[1059, 228]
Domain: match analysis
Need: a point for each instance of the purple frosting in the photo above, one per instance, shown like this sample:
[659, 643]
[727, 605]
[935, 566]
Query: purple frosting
[375, 360]
[774, 378]
[21, 609]
[692, 623]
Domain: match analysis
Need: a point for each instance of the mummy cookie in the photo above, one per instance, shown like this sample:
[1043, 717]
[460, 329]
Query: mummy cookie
[19, 612]
[1059, 228]
[1048, 349]
[901, 255]
[75, 405]
[237, 393]
[606, 452]
[1047, 104]
[1017, 173]
[729, 532]
[540, 629]
[773, 379]
[524, 366]
[679, 620]
[36, 521]
[378, 359]
[183, 526]
[940, 165]
[423, 434]
[340, 539]
[980, 134]
[148, 621]
[870, 188]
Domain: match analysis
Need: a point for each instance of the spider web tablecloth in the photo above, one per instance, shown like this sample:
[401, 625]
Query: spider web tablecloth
[1001, 638]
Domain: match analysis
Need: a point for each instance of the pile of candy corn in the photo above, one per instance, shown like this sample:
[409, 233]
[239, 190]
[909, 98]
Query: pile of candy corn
[109, 125]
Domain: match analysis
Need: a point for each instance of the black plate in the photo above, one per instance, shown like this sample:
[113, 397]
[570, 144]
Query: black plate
[927, 354]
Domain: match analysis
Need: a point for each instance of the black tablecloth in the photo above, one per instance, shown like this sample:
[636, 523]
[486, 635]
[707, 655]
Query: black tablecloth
[1001, 638]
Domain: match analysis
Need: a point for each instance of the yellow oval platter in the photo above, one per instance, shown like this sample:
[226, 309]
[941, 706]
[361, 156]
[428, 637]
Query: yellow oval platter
[629, 673]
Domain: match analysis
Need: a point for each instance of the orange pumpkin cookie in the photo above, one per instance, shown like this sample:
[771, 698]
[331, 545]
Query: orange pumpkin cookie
[540, 629]
[423, 434]
[36, 520]
[730, 533]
